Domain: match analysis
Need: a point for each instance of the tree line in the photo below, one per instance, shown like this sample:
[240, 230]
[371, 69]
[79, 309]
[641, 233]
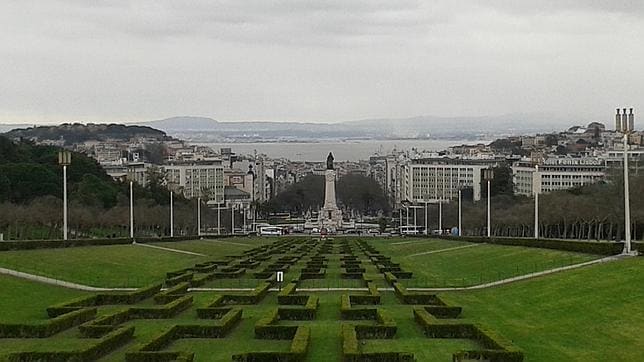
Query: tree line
[31, 188]
[593, 212]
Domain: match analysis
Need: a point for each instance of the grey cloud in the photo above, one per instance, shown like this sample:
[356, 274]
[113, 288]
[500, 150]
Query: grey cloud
[315, 60]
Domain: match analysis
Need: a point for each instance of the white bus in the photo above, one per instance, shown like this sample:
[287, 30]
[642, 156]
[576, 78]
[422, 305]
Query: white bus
[411, 230]
[270, 231]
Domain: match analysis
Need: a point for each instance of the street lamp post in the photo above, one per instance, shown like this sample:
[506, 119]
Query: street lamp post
[426, 223]
[488, 175]
[627, 201]
[625, 124]
[171, 216]
[460, 213]
[218, 219]
[64, 159]
[132, 211]
[198, 216]
[536, 202]
[440, 216]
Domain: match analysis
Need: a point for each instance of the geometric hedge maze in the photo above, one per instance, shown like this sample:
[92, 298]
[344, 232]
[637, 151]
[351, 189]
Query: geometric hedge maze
[105, 324]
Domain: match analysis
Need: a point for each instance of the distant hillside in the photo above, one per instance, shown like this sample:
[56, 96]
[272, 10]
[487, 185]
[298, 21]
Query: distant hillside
[8, 127]
[76, 133]
[413, 127]
[182, 125]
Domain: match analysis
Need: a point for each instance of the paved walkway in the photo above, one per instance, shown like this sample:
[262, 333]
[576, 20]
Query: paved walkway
[62, 283]
[523, 277]
[170, 249]
[229, 242]
[412, 242]
[443, 250]
[58, 282]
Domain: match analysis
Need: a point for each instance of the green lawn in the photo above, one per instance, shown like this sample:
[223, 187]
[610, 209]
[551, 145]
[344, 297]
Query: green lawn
[25, 301]
[594, 313]
[589, 314]
[464, 264]
[217, 248]
[104, 266]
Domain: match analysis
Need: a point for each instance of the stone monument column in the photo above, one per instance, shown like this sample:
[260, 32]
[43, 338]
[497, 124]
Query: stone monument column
[330, 215]
[329, 190]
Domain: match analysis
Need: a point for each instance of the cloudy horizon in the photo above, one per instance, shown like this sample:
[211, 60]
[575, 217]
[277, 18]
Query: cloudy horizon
[317, 61]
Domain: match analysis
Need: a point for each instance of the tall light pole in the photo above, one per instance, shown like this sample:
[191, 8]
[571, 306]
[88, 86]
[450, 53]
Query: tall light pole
[626, 127]
[460, 212]
[440, 216]
[132, 211]
[171, 217]
[218, 219]
[64, 159]
[536, 180]
[426, 223]
[627, 201]
[198, 216]
[488, 175]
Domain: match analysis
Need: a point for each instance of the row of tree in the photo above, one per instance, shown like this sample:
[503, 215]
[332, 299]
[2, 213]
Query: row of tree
[588, 212]
[31, 187]
[356, 194]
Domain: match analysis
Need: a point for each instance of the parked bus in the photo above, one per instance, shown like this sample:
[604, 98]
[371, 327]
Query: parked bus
[270, 231]
[411, 230]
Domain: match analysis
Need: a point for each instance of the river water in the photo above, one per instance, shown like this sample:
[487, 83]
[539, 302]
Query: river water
[350, 150]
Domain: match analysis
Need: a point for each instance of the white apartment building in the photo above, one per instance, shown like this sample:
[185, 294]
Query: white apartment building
[197, 180]
[558, 173]
[426, 180]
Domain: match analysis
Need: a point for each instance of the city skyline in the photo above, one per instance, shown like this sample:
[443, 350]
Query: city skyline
[326, 61]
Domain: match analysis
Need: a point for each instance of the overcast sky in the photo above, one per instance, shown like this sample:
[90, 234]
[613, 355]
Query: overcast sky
[335, 60]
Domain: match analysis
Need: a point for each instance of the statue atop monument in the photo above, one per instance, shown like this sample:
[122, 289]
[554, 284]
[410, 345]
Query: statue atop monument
[329, 161]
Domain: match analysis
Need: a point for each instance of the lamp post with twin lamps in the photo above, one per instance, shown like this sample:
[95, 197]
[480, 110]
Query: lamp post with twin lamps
[625, 125]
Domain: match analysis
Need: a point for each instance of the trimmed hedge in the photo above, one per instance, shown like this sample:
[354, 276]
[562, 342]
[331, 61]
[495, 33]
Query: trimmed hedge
[49, 328]
[150, 350]
[297, 353]
[171, 294]
[415, 298]
[253, 297]
[103, 299]
[306, 313]
[185, 277]
[159, 356]
[104, 345]
[166, 311]
[109, 322]
[47, 244]
[496, 347]
[590, 247]
[386, 327]
[351, 350]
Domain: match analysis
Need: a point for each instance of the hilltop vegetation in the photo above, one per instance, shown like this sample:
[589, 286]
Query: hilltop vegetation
[31, 189]
[78, 133]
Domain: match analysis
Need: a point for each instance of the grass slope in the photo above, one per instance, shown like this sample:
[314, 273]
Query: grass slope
[589, 314]
[473, 263]
[25, 301]
[104, 266]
